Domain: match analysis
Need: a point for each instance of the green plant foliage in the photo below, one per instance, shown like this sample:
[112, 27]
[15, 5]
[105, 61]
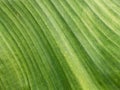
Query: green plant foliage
[59, 45]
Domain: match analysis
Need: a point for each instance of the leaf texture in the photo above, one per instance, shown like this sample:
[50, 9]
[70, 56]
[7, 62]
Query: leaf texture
[59, 45]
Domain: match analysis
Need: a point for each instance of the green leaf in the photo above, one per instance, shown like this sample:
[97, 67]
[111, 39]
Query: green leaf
[59, 45]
